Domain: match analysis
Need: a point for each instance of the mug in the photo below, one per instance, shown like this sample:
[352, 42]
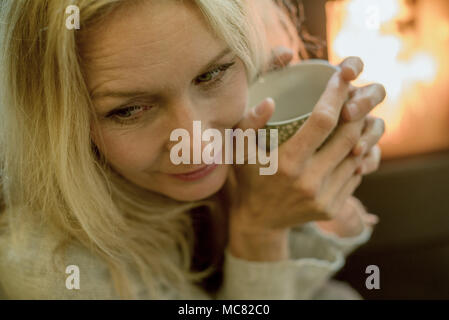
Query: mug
[296, 89]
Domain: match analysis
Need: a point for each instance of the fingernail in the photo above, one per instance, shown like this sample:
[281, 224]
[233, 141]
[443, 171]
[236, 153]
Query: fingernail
[374, 218]
[270, 100]
[348, 73]
[354, 70]
[363, 147]
[262, 108]
[359, 149]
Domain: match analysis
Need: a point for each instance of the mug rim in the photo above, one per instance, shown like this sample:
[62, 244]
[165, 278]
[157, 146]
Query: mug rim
[283, 122]
[304, 116]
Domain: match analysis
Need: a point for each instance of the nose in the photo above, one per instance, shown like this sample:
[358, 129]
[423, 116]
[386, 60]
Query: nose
[182, 116]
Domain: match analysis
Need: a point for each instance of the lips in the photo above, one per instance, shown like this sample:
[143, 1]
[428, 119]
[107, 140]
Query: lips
[200, 173]
[197, 174]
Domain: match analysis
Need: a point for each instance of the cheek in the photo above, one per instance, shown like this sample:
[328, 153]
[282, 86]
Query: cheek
[129, 151]
[234, 102]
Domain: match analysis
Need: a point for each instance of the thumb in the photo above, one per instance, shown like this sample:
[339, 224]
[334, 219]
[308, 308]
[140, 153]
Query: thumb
[256, 118]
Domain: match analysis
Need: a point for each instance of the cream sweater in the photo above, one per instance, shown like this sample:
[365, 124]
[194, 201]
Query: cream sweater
[315, 257]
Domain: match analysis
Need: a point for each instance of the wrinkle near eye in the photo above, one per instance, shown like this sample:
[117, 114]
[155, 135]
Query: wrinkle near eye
[153, 57]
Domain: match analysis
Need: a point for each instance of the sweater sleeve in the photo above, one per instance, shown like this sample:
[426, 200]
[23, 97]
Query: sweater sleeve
[346, 245]
[313, 261]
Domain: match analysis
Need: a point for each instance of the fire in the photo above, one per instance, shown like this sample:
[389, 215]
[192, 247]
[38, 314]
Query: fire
[384, 34]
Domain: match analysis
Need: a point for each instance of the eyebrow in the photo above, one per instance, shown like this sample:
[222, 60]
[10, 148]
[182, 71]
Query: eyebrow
[130, 94]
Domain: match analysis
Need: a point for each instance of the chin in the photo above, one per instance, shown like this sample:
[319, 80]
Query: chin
[198, 190]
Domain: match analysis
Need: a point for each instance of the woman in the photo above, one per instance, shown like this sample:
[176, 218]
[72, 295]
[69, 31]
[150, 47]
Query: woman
[86, 172]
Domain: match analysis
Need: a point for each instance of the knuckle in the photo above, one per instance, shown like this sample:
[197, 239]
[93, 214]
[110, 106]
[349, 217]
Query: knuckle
[350, 139]
[334, 85]
[364, 103]
[309, 189]
[324, 120]
[288, 168]
[348, 166]
[284, 170]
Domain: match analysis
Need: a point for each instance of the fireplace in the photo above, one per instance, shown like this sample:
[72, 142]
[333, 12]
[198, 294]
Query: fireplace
[405, 45]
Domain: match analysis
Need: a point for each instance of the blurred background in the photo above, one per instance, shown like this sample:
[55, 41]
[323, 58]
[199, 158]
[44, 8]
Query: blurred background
[405, 46]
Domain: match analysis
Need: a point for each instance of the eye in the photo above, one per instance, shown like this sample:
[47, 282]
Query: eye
[213, 74]
[128, 113]
[208, 76]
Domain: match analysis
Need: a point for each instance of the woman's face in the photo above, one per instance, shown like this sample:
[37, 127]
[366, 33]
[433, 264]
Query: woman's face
[151, 68]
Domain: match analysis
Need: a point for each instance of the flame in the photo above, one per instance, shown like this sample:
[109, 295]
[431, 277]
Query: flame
[393, 57]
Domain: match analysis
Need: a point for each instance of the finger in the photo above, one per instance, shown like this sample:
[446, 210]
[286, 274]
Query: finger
[338, 179]
[257, 117]
[337, 148]
[367, 218]
[372, 162]
[363, 100]
[254, 118]
[356, 203]
[370, 219]
[351, 92]
[323, 119]
[373, 132]
[351, 68]
[281, 57]
[347, 190]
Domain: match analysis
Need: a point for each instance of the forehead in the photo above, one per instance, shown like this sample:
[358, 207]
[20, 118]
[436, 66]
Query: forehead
[145, 41]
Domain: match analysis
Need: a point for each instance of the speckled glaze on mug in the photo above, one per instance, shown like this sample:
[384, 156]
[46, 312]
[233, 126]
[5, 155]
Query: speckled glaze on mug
[295, 89]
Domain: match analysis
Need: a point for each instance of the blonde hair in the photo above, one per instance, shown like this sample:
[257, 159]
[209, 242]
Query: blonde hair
[52, 173]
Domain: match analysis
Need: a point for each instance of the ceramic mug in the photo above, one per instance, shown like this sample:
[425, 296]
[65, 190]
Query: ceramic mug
[296, 90]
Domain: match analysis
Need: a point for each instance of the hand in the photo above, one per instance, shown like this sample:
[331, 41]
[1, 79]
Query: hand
[360, 103]
[310, 184]
[350, 221]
